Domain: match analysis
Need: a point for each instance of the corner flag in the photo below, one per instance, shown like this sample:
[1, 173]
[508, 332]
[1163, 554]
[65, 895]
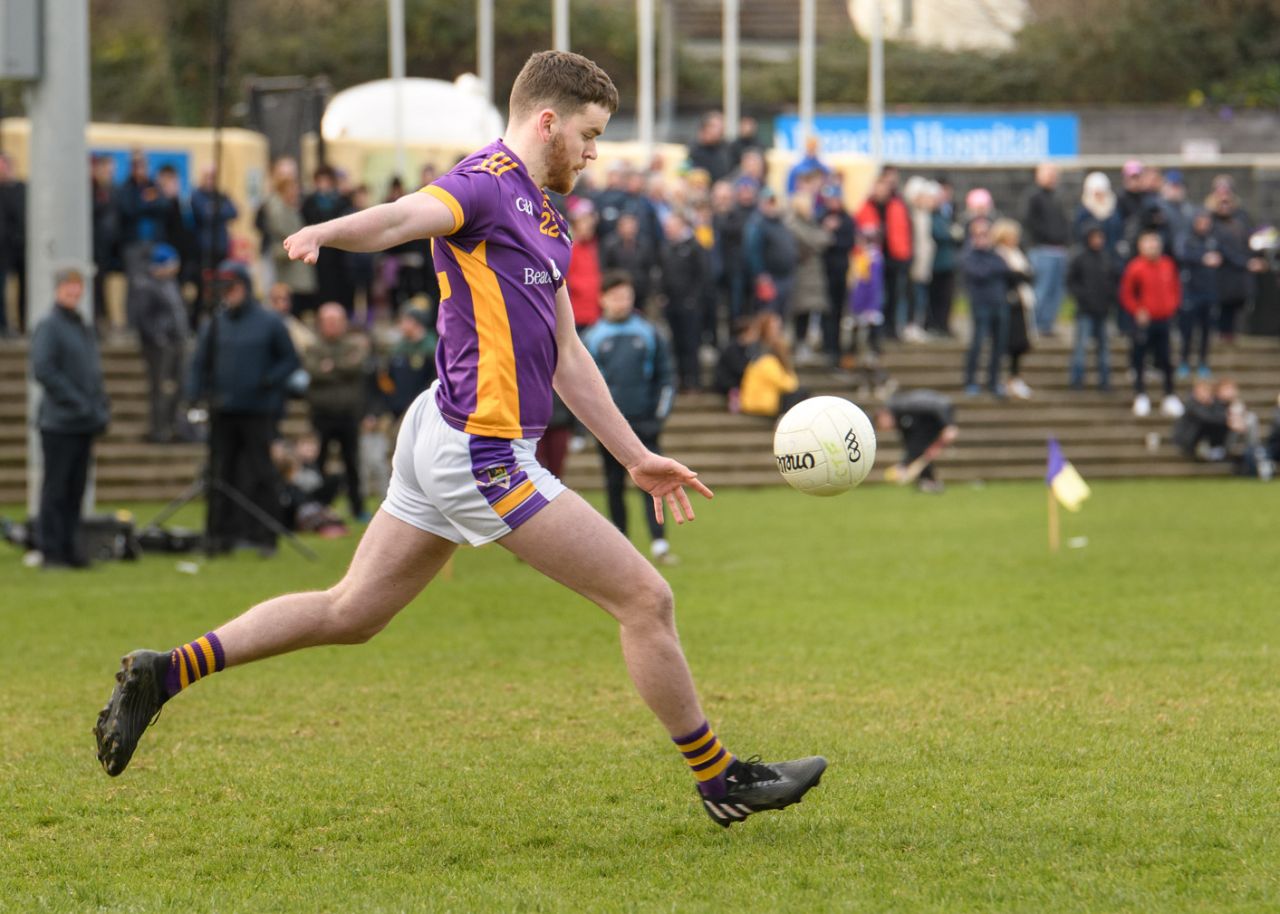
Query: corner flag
[1065, 483]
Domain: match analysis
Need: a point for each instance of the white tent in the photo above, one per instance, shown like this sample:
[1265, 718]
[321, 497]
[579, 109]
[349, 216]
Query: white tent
[434, 112]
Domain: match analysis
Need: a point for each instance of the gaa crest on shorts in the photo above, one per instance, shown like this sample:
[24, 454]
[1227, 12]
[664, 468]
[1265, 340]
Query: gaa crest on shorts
[496, 476]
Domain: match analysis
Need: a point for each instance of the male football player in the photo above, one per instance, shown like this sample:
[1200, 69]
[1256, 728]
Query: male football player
[464, 469]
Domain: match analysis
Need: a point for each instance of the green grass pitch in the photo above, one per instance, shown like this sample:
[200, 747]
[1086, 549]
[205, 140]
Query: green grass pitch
[1008, 730]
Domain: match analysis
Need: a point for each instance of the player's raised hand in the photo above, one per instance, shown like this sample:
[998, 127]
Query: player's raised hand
[304, 245]
[665, 479]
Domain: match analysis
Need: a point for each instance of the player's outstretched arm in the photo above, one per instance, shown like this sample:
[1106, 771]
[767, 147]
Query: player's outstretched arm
[585, 392]
[377, 228]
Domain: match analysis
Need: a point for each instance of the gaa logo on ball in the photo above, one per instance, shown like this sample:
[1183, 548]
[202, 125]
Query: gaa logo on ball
[824, 446]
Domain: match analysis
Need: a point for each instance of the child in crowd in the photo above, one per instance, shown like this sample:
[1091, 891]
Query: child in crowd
[1201, 260]
[769, 383]
[986, 277]
[1006, 236]
[305, 494]
[1151, 293]
[1092, 279]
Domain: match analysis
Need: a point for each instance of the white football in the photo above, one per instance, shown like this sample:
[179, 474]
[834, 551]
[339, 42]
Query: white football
[824, 446]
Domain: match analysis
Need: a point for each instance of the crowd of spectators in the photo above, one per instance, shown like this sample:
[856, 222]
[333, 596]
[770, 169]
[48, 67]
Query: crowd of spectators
[745, 283]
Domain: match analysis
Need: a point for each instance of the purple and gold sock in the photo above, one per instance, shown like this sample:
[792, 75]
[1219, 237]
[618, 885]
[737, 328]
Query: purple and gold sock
[707, 758]
[193, 661]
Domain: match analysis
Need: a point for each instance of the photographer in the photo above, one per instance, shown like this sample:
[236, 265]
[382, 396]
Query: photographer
[926, 420]
[242, 360]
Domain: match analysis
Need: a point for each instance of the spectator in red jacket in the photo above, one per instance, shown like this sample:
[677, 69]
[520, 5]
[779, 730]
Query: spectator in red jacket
[886, 213]
[1151, 293]
[583, 275]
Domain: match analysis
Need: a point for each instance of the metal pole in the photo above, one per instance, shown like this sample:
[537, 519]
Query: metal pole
[875, 91]
[395, 43]
[667, 70]
[484, 45]
[807, 40]
[560, 27]
[729, 51]
[644, 107]
[58, 211]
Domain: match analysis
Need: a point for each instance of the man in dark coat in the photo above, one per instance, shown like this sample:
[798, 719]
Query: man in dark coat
[243, 359]
[711, 153]
[685, 277]
[74, 408]
[1048, 234]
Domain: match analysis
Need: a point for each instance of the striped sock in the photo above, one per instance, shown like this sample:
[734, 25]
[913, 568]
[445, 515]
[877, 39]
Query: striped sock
[707, 758]
[193, 661]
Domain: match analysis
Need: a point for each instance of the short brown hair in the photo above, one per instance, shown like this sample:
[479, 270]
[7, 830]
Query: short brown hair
[562, 81]
[614, 278]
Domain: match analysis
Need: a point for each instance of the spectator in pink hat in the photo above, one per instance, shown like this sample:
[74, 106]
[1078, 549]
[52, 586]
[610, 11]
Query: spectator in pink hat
[978, 204]
[1133, 194]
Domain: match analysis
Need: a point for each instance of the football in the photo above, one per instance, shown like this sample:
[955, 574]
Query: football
[824, 446]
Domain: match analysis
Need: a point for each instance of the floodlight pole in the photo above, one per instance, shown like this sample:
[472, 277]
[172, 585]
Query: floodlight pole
[58, 209]
[560, 24]
[644, 101]
[395, 42]
[807, 41]
[667, 69]
[729, 52]
[875, 87]
[484, 46]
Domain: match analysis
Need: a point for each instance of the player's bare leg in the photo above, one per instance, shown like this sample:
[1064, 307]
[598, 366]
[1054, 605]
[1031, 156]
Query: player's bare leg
[392, 564]
[570, 542]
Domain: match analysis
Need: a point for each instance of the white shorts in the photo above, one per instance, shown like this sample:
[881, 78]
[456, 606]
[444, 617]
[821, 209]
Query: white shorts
[464, 488]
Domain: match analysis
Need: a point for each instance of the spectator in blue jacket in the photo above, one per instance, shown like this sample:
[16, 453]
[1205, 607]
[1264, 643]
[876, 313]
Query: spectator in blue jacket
[73, 409]
[142, 208]
[211, 212]
[242, 361]
[771, 254]
[636, 364]
[986, 276]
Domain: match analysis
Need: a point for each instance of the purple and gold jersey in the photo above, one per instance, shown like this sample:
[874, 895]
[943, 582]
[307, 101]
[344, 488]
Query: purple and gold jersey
[499, 271]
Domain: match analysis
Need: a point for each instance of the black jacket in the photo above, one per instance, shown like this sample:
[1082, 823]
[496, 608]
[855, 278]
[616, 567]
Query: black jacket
[65, 362]
[684, 273]
[920, 416]
[716, 159]
[254, 358]
[1232, 233]
[1200, 422]
[1200, 283]
[1046, 220]
[636, 259]
[1092, 279]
